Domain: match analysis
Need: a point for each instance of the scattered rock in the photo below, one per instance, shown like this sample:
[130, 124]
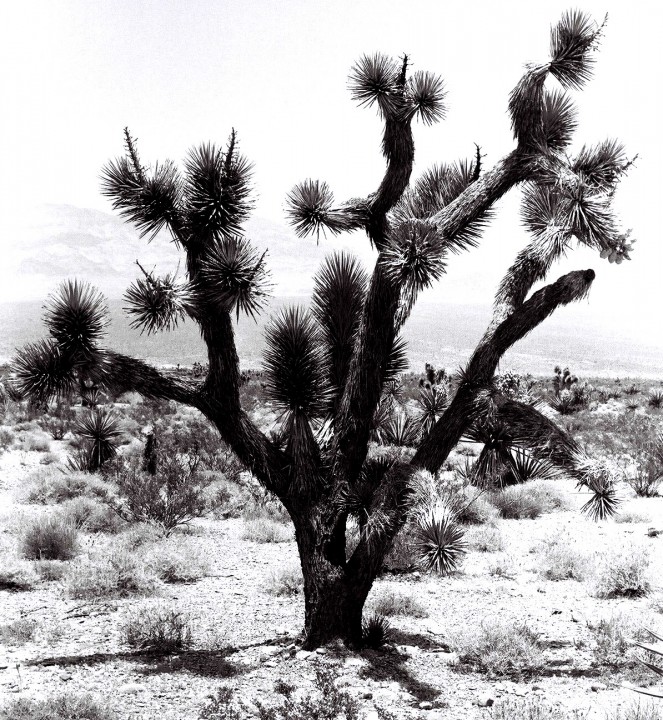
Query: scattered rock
[130, 688]
[303, 654]
[425, 705]
[598, 686]
[485, 701]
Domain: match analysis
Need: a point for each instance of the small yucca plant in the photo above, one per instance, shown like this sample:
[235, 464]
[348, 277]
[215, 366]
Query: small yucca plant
[101, 429]
[375, 631]
[438, 541]
[655, 398]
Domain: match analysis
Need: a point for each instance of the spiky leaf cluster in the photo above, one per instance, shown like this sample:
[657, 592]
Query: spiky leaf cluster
[217, 191]
[157, 303]
[597, 475]
[375, 631]
[43, 371]
[438, 541]
[76, 317]
[234, 276]
[101, 428]
[571, 43]
[432, 402]
[310, 207]
[338, 297]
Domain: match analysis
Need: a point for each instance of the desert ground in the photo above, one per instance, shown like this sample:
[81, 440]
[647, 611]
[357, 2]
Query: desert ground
[117, 618]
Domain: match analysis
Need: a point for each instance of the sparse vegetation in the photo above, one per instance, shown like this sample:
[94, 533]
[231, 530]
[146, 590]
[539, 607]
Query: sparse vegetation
[68, 706]
[388, 601]
[287, 581]
[158, 628]
[49, 538]
[622, 572]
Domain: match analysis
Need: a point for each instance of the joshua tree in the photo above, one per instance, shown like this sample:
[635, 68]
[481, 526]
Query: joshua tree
[326, 369]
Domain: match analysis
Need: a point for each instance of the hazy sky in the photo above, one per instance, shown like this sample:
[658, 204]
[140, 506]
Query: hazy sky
[178, 72]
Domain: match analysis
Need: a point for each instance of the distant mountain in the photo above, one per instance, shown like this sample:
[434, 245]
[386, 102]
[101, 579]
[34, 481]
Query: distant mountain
[62, 241]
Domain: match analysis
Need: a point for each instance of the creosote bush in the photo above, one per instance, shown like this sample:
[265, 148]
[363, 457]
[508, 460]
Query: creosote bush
[158, 628]
[561, 558]
[177, 560]
[19, 631]
[17, 575]
[485, 539]
[49, 538]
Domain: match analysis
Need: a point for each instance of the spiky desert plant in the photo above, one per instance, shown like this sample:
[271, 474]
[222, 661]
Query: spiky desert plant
[376, 631]
[100, 428]
[655, 398]
[438, 541]
[432, 402]
[654, 650]
[327, 372]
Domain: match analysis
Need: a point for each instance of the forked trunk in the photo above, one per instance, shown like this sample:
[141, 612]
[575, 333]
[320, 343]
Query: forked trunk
[334, 600]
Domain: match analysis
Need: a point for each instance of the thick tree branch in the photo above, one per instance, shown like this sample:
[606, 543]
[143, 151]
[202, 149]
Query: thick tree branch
[464, 408]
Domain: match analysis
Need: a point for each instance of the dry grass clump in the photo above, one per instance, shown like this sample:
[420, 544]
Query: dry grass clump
[485, 539]
[637, 711]
[631, 516]
[159, 628]
[51, 570]
[622, 571]
[62, 707]
[116, 572]
[18, 632]
[387, 601]
[91, 516]
[49, 538]
[265, 530]
[53, 487]
[177, 560]
[528, 501]
[286, 581]
[534, 709]
[613, 638]
[15, 574]
[35, 441]
[559, 558]
[504, 566]
[498, 647]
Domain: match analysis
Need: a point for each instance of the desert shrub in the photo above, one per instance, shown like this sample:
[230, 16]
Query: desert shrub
[35, 441]
[613, 640]
[631, 516]
[468, 504]
[637, 711]
[532, 709]
[264, 530]
[56, 427]
[503, 566]
[177, 560]
[632, 389]
[622, 572]
[117, 572]
[263, 504]
[18, 575]
[286, 581]
[485, 539]
[647, 480]
[527, 501]
[326, 702]
[174, 495]
[90, 515]
[561, 559]
[62, 707]
[55, 487]
[498, 647]
[19, 631]
[51, 570]
[387, 601]
[159, 628]
[6, 438]
[222, 706]
[49, 538]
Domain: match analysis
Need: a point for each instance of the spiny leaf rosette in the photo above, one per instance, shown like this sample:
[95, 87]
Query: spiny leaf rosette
[330, 369]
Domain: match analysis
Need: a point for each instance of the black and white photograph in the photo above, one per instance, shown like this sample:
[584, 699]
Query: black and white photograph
[331, 360]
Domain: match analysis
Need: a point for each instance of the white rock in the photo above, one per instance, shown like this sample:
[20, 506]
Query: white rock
[303, 654]
[485, 701]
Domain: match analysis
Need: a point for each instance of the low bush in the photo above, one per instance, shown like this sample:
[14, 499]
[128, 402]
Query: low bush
[498, 647]
[562, 559]
[177, 560]
[622, 572]
[528, 501]
[387, 601]
[52, 487]
[286, 581]
[637, 711]
[90, 515]
[503, 566]
[174, 495]
[51, 570]
[485, 539]
[158, 628]
[613, 640]
[61, 707]
[49, 538]
[36, 441]
[264, 530]
[18, 575]
[6, 438]
[535, 709]
[631, 516]
[18, 632]
[117, 572]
